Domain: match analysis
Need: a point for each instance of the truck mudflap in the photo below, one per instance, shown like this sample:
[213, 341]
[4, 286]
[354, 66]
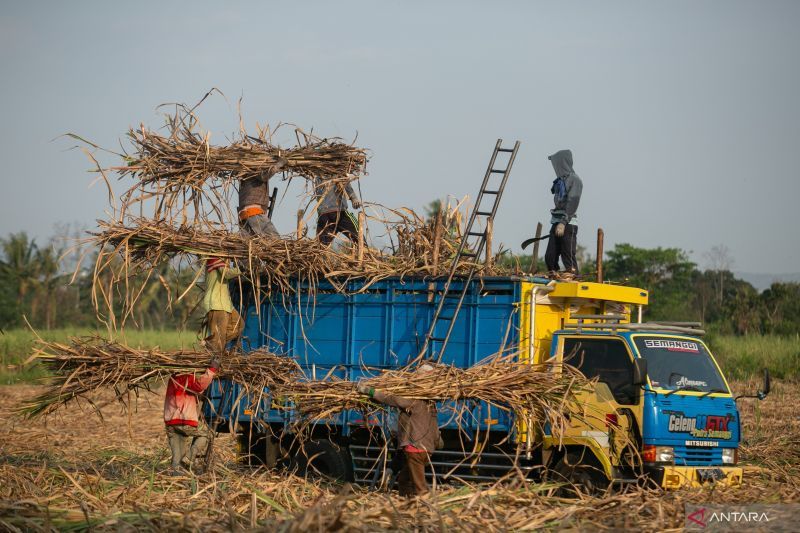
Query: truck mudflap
[674, 477]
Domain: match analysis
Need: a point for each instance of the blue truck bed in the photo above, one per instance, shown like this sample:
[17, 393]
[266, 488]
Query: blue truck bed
[380, 326]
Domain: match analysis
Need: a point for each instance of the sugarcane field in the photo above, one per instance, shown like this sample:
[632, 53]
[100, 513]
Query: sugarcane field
[443, 267]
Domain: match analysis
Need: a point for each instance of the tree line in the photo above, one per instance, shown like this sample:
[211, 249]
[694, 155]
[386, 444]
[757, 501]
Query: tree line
[679, 290]
[51, 287]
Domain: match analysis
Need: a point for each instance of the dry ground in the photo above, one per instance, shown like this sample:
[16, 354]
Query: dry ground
[75, 472]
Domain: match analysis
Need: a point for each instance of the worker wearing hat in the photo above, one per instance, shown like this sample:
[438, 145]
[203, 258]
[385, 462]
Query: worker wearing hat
[223, 321]
[417, 435]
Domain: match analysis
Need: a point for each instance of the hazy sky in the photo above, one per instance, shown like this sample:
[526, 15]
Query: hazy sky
[683, 117]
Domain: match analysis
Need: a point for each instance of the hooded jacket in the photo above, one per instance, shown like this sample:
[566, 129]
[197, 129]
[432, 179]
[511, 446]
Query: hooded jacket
[566, 206]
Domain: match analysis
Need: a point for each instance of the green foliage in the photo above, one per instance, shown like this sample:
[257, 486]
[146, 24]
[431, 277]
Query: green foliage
[679, 291]
[745, 356]
[433, 208]
[37, 287]
[18, 271]
[665, 272]
[781, 308]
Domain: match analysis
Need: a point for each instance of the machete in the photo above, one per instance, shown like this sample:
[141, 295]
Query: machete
[532, 240]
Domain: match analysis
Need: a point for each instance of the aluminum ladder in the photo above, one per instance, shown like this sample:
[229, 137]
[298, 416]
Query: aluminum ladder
[471, 246]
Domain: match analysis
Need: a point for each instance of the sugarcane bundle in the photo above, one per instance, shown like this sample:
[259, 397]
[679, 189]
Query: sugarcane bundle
[542, 393]
[181, 174]
[185, 159]
[143, 243]
[85, 365]
[88, 364]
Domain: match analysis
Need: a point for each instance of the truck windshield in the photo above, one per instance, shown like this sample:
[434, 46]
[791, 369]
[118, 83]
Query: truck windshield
[679, 364]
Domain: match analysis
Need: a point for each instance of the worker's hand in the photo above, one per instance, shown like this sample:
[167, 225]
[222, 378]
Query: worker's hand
[215, 363]
[282, 162]
[560, 229]
[356, 204]
[364, 389]
[274, 169]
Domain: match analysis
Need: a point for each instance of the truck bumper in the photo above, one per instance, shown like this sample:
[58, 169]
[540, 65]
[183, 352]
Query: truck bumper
[674, 477]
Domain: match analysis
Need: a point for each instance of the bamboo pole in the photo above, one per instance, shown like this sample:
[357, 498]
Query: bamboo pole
[599, 255]
[253, 510]
[489, 229]
[437, 239]
[438, 226]
[535, 256]
[362, 220]
[300, 223]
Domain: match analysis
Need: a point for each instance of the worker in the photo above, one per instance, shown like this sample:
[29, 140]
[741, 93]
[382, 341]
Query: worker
[223, 322]
[417, 435]
[332, 214]
[566, 189]
[187, 433]
[254, 201]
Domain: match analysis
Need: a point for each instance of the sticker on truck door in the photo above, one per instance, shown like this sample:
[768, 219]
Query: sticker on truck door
[702, 426]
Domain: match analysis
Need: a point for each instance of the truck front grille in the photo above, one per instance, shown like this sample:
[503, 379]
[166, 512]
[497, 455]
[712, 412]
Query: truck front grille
[697, 456]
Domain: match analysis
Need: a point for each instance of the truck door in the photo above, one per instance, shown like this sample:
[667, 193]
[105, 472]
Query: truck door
[609, 360]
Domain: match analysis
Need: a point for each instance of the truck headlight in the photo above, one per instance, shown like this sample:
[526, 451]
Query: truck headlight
[658, 454]
[729, 456]
[665, 454]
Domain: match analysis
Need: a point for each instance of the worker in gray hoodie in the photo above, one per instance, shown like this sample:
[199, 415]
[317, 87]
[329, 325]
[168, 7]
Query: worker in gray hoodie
[566, 189]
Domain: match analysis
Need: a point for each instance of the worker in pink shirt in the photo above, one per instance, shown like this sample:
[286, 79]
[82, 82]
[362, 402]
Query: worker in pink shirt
[187, 433]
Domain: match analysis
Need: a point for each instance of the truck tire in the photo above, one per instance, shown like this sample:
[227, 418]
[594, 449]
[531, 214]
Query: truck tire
[324, 458]
[581, 473]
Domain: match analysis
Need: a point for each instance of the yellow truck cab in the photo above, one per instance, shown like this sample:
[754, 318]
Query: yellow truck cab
[660, 407]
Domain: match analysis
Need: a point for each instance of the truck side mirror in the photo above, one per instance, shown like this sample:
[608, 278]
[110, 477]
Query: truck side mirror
[765, 390]
[640, 371]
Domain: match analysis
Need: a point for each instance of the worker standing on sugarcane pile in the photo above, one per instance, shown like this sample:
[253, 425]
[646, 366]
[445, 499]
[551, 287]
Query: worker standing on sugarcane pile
[332, 214]
[566, 189]
[417, 435]
[187, 433]
[223, 322]
[254, 203]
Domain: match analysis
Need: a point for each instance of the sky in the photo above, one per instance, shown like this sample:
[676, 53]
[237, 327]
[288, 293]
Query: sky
[672, 109]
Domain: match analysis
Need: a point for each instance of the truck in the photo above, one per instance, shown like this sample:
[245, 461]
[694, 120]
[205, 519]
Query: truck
[659, 409]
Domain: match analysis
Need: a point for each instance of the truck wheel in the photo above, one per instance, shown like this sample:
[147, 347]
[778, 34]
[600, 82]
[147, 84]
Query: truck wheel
[323, 458]
[581, 473]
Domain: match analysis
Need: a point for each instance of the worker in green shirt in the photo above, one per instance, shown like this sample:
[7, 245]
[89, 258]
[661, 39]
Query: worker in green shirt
[223, 321]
